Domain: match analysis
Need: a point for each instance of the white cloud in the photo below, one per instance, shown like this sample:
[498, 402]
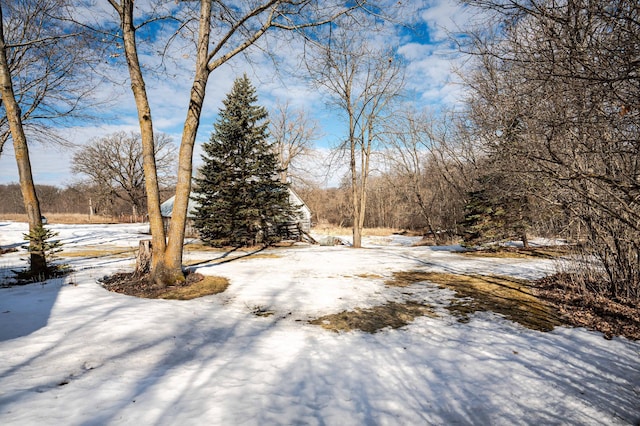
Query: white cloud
[445, 17]
[278, 77]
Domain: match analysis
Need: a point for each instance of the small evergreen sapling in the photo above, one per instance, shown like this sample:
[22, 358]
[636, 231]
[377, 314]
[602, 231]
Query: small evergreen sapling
[40, 242]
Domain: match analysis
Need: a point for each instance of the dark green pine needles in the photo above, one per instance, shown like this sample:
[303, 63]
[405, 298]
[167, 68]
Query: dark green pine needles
[241, 201]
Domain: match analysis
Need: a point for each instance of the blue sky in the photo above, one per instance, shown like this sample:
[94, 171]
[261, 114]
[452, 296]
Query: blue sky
[426, 49]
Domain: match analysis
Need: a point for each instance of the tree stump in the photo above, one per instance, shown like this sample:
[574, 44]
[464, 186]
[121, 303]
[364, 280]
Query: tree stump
[143, 260]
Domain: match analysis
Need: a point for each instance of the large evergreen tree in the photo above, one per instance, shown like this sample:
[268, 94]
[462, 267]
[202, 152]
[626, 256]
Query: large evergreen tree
[241, 201]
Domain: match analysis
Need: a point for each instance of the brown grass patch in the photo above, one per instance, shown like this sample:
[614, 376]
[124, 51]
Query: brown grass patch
[392, 314]
[202, 247]
[260, 256]
[97, 252]
[549, 252]
[509, 297]
[205, 287]
[443, 240]
[367, 232]
[194, 286]
[369, 276]
[254, 252]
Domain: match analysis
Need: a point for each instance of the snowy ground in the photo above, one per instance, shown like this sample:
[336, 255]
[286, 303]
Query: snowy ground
[74, 354]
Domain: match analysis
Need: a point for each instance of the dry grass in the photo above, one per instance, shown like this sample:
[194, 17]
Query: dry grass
[367, 232]
[392, 314]
[250, 256]
[201, 247]
[195, 285]
[549, 252]
[430, 241]
[580, 307]
[98, 252]
[509, 297]
[369, 276]
[205, 287]
[66, 218]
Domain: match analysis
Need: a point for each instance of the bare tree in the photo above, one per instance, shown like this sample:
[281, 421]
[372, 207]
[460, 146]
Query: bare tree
[555, 103]
[32, 206]
[432, 163]
[362, 81]
[412, 138]
[293, 133]
[49, 59]
[113, 164]
[223, 31]
[33, 58]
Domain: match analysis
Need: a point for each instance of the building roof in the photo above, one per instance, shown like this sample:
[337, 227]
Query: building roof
[166, 208]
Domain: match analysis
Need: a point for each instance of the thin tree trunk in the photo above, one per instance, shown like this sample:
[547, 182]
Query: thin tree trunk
[21, 150]
[356, 201]
[170, 270]
[365, 152]
[158, 241]
[355, 195]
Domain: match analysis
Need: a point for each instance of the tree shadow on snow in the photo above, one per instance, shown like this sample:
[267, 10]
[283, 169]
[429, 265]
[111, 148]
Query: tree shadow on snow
[224, 258]
[25, 309]
[205, 362]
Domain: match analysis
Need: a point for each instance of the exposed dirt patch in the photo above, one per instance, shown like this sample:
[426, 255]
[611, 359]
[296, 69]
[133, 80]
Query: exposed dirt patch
[392, 314]
[548, 252]
[581, 308]
[195, 285]
[509, 297]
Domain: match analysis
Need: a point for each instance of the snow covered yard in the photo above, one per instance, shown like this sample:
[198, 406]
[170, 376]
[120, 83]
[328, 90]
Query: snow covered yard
[73, 353]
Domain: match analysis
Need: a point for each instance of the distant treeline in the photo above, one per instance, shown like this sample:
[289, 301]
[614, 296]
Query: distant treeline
[75, 198]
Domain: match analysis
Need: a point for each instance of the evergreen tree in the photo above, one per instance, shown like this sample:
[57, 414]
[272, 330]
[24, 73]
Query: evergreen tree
[496, 212]
[241, 201]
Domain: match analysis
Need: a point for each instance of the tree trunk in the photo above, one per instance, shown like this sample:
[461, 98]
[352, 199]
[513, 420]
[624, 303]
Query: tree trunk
[525, 239]
[357, 229]
[166, 263]
[143, 260]
[146, 132]
[355, 199]
[32, 206]
[171, 268]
